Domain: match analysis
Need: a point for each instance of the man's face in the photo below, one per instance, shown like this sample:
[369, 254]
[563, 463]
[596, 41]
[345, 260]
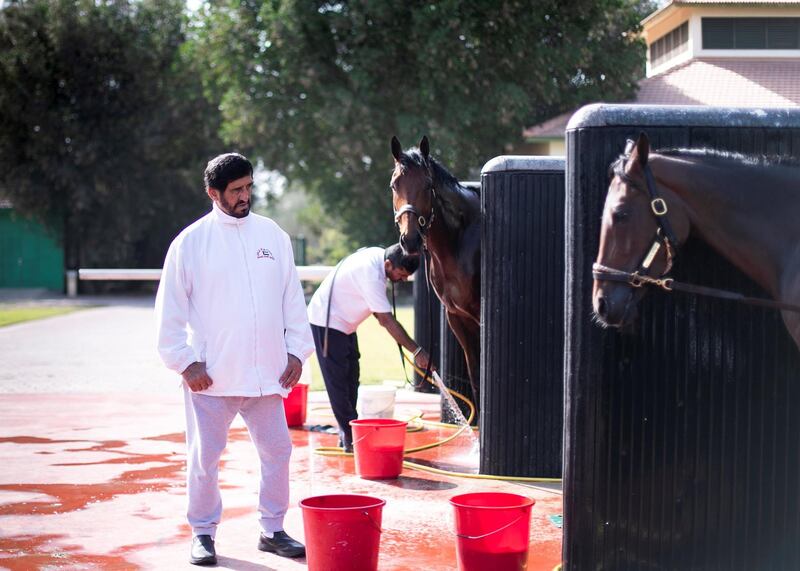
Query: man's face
[235, 199]
[395, 274]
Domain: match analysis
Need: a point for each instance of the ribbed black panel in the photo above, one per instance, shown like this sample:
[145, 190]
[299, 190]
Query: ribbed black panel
[454, 372]
[682, 441]
[522, 316]
[426, 326]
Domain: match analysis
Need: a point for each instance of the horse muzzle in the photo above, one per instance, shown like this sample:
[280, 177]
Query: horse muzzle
[411, 242]
[615, 306]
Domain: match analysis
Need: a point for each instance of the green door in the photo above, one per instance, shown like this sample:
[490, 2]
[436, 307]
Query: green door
[29, 256]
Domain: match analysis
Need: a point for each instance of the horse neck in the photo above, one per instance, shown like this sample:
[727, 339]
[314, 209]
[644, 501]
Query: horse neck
[455, 208]
[734, 211]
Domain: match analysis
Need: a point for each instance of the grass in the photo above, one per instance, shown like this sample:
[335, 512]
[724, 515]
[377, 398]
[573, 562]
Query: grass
[380, 359]
[11, 315]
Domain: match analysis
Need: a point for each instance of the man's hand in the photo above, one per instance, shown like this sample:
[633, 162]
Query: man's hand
[292, 372]
[196, 377]
[423, 360]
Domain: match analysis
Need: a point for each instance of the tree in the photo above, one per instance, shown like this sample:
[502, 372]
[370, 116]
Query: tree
[104, 128]
[317, 89]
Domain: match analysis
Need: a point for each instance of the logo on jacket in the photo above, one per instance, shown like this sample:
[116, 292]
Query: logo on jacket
[264, 253]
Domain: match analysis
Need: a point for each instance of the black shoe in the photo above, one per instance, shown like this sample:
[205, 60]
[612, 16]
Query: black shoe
[281, 544]
[346, 446]
[203, 552]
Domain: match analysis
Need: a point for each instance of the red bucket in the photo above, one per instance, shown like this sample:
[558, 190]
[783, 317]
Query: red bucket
[378, 445]
[343, 532]
[492, 530]
[295, 405]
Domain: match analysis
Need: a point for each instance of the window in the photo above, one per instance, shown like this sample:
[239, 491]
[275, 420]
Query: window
[670, 45]
[751, 33]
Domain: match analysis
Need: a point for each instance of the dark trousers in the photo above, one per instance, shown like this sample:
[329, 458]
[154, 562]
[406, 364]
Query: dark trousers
[340, 370]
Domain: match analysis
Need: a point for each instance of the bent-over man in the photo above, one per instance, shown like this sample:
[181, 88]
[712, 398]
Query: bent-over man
[355, 290]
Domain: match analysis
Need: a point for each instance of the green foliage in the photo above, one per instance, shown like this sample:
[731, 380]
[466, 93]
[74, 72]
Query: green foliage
[327, 244]
[104, 125]
[317, 89]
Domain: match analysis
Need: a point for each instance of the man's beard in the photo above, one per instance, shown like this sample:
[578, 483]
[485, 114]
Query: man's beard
[234, 209]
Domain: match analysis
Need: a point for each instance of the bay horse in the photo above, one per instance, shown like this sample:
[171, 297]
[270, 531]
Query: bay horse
[437, 215]
[745, 208]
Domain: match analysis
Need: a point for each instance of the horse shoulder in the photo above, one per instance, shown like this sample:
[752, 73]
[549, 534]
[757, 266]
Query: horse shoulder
[469, 250]
[789, 292]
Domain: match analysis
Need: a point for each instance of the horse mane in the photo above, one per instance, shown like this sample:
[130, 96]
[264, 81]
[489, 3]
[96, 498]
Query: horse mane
[728, 156]
[712, 155]
[453, 195]
[413, 158]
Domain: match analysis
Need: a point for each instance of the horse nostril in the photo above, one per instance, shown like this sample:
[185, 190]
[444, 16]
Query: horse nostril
[402, 240]
[602, 307]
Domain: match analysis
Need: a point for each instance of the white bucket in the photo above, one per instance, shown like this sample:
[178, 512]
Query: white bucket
[305, 374]
[376, 401]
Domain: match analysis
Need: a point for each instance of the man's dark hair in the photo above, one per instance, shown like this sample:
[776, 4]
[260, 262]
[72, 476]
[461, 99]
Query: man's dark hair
[223, 169]
[394, 254]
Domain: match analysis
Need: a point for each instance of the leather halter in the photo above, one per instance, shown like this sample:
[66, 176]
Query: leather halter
[664, 237]
[424, 223]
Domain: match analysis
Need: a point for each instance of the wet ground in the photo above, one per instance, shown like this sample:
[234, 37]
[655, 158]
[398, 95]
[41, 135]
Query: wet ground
[92, 478]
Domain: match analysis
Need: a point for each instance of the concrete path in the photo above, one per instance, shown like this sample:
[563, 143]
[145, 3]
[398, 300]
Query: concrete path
[97, 349]
[91, 444]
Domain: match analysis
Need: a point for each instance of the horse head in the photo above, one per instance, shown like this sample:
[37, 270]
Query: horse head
[412, 194]
[637, 241]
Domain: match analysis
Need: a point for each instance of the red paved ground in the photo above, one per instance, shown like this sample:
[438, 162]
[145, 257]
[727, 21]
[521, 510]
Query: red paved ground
[95, 481]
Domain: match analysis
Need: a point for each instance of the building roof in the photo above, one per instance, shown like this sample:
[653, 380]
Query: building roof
[726, 83]
[759, 3]
[551, 129]
[719, 82]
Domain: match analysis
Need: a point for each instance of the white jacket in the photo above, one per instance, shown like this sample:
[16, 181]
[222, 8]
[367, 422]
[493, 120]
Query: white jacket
[230, 296]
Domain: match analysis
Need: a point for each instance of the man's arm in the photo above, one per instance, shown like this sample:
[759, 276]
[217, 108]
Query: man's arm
[299, 342]
[172, 314]
[398, 333]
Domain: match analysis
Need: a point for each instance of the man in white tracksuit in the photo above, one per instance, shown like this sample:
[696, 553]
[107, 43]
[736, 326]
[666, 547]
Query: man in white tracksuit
[232, 322]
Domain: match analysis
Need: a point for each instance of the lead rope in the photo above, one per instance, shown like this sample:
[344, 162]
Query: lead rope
[400, 347]
[426, 271]
[604, 273]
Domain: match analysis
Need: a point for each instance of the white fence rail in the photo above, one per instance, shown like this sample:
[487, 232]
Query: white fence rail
[306, 273]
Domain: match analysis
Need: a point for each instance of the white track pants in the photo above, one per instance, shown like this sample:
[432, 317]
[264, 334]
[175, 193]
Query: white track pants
[208, 419]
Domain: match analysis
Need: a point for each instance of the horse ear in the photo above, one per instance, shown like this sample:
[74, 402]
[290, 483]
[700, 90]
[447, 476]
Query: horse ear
[397, 150]
[425, 147]
[642, 148]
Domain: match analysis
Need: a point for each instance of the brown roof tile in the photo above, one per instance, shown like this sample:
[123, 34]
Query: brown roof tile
[726, 83]
[552, 128]
[719, 82]
[759, 2]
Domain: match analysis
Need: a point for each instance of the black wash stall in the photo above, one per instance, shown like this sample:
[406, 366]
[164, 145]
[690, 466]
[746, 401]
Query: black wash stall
[426, 326]
[522, 316]
[682, 440]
